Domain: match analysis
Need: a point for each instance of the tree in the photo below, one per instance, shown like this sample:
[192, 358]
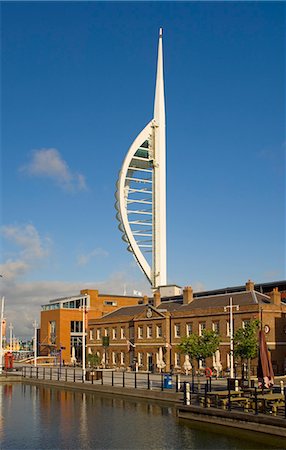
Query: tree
[93, 360]
[245, 343]
[199, 347]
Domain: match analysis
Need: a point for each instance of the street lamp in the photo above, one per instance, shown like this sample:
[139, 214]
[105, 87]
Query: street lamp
[35, 342]
[231, 307]
[11, 337]
[84, 309]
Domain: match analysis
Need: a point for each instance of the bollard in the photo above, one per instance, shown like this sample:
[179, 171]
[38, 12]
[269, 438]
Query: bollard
[92, 377]
[135, 380]
[282, 386]
[255, 399]
[102, 378]
[74, 375]
[236, 385]
[148, 381]
[178, 383]
[188, 394]
[229, 397]
[206, 392]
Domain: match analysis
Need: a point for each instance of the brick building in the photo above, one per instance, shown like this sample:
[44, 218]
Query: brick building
[61, 327]
[141, 335]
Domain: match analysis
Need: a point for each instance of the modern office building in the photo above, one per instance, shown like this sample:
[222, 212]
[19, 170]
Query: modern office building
[145, 334]
[141, 191]
[62, 319]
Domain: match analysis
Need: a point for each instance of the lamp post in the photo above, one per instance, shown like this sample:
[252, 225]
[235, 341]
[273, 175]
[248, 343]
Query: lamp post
[231, 307]
[11, 337]
[35, 342]
[84, 308]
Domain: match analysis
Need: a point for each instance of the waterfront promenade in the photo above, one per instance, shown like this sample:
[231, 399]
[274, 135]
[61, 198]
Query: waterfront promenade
[250, 409]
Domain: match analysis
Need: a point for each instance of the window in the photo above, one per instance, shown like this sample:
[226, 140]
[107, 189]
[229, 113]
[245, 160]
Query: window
[245, 322]
[202, 327]
[177, 360]
[189, 329]
[114, 333]
[140, 358]
[122, 333]
[140, 332]
[110, 303]
[105, 331]
[91, 334]
[177, 330]
[122, 358]
[53, 331]
[149, 331]
[98, 334]
[216, 327]
[113, 358]
[159, 331]
[202, 363]
[76, 326]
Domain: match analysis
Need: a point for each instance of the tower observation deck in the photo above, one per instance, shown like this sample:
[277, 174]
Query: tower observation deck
[141, 190]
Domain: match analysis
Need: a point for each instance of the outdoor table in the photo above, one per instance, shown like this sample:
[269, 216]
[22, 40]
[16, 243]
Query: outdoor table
[269, 401]
[215, 396]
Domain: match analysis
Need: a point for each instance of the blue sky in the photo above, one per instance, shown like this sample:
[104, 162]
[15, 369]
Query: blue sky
[78, 84]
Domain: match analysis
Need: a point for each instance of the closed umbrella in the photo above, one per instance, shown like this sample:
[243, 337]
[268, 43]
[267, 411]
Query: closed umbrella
[73, 358]
[265, 372]
[187, 365]
[160, 362]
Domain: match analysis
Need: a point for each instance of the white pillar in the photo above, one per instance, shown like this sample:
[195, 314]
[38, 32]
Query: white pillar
[231, 336]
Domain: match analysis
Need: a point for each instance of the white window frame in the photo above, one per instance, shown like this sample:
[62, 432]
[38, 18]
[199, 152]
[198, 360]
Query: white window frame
[149, 331]
[122, 333]
[159, 334]
[214, 324]
[190, 324]
[114, 333]
[91, 334]
[177, 329]
[201, 327]
[177, 360]
[98, 334]
[140, 332]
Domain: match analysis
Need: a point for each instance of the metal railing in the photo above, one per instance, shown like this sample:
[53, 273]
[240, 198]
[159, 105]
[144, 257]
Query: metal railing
[122, 379]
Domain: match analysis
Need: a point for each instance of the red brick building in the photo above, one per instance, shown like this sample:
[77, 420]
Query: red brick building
[144, 334]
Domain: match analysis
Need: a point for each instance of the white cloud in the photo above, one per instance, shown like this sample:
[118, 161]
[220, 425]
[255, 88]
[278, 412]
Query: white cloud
[23, 300]
[48, 163]
[28, 239]
[84, 259]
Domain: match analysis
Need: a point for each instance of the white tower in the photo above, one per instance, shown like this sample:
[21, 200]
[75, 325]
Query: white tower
[141, 190]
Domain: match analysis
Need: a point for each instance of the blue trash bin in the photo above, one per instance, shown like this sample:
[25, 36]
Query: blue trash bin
[167, 381]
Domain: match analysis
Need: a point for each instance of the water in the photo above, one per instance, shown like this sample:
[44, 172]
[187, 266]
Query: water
[39, 418]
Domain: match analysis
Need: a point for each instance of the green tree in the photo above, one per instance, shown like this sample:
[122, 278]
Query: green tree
[199, 347]
[93, 360]
[245, 342]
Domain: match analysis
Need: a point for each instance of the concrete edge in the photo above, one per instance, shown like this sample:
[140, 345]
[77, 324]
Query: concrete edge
[235, 419]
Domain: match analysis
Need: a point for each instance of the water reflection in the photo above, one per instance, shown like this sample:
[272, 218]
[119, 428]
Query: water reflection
[34, 417]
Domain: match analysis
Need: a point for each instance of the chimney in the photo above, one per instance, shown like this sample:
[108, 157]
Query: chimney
[145, 300]
[188, 295]
[157, 299]
[249, 285]
[275, 296]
